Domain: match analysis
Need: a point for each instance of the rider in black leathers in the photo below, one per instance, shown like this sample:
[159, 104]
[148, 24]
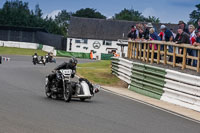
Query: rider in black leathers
[66, 65]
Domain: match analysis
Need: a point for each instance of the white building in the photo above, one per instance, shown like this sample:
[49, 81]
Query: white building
[99, 35]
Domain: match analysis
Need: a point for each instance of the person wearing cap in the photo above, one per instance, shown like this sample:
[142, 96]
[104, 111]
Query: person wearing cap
[183, 26]
[132, 34]
[146, 32]
[168, 37]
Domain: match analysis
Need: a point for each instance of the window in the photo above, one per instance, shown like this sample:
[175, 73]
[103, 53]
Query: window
[107, 43]
[77, 41]
[84, 41]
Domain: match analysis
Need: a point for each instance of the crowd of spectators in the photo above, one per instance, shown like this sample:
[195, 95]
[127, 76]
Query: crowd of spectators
[185, 34]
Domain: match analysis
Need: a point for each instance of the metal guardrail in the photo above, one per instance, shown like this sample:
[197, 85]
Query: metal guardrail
[141, 50]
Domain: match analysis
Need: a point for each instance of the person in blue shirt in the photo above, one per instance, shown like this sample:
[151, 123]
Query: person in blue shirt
[154, 36]
[168, 37]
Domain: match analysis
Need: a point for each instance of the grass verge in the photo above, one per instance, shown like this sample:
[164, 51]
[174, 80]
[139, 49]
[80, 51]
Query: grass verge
[20, 51]
[99, 73]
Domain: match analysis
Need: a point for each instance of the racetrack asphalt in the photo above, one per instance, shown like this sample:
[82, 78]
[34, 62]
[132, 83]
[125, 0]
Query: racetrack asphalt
[24, 107]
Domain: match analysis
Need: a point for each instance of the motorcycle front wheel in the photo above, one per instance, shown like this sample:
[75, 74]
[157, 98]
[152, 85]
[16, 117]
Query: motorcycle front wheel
[47, 92]
[67, 93]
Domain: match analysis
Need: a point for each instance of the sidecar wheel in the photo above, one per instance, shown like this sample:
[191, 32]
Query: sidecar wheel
[82, 99]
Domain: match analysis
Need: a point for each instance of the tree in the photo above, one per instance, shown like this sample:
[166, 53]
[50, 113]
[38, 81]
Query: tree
[195, 15]
[89, 13]
[132, 15]
[17, 13]
[63, 18]
[38, 11]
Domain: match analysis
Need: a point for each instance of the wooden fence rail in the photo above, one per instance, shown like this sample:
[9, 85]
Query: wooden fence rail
[151, 52]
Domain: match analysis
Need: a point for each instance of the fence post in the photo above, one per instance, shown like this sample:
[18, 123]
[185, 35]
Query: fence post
[131, 50]
[158, 54]
[140, 55]
[198, 61]
[184, 58]
[152, 53]
[134, 50]
[137, 50]
[165, 54]
[148, 51]
[144, 52]
[174, 56]
[129, 44]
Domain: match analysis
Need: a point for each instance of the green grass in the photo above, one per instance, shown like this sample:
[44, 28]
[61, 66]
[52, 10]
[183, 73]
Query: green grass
[99, 73]
[20, 51]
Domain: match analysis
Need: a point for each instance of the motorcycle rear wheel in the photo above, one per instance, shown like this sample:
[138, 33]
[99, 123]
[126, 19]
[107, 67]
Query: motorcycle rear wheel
[67, 93]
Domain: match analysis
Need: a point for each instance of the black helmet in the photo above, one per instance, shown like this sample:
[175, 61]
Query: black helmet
[73, 60]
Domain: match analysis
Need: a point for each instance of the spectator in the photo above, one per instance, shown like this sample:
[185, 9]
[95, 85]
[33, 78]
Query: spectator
[192, 52]
[181, 37]
[91, 54]
[197, 43]
[168, 37]
[138, 28]
[132, 34]
[162, 35]
[146, 32]
[183, 26]
[174, 34]
[154, 36]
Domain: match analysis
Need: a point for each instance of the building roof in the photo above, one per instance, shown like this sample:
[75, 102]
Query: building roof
[102, 29]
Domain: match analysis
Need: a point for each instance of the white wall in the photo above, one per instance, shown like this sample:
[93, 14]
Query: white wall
[90, 47]
[19, 44]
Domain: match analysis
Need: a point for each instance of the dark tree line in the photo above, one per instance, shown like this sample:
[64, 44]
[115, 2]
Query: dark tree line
[195, 15]
[17, 13]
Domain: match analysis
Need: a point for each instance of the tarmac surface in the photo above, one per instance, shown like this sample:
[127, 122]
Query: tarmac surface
[24, 107]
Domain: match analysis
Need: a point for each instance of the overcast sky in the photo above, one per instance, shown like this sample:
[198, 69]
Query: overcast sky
[167, 10]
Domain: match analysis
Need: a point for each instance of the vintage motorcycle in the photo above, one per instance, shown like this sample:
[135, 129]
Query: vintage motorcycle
[50, 59]
[36, 61]
[63, 88]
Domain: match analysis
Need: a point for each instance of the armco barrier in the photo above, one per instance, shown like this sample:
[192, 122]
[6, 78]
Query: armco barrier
[163, 84]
